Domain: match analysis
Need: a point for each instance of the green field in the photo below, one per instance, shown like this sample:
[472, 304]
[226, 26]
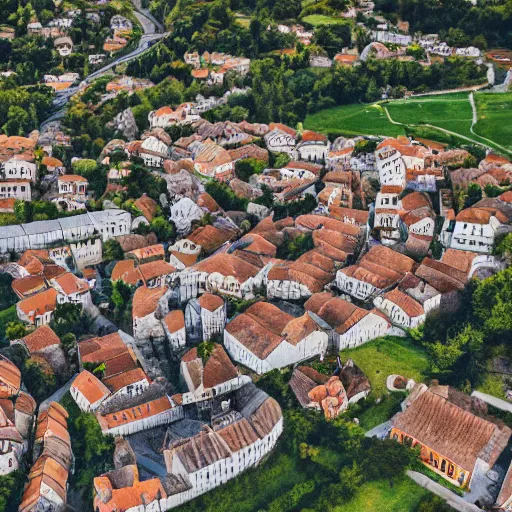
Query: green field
[495, 117]
[321, 19]
[404, 496]
[386, 356]
[356, 119]
[450, 112]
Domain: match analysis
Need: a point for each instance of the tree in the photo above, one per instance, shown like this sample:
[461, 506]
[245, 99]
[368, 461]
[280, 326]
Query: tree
[84, 166]
[245, 168]
[474, 194]
[15, 331]
[205, 350]
[67, 318]
[163, 229]
[39, 378]
[112, 250]
[121, 294]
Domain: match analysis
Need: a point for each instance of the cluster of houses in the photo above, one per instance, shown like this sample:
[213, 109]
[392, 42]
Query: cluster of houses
[212, 67]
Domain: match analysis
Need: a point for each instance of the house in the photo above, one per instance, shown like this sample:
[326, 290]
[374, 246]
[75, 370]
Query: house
[126, 271]
[236, 445]
[453, 441]
[72, 289]
[10, 378]
[213, 161]
[16, 189]
[391, 167]
[147, 415]
[174, 327]
[24, 287]
[19, 167]
[183, 253]
[40, 340]
[73, 185]
[153, 151]
[156, 273]
[144, 306]
[387, 221]
[212, 311]
[473, 229]
[126, 384]
[346, 324]
[206, 379]
[225, 274]
[313, 147]
[38, 309]
[281, 139]
[147, 254]
[53, 165]
[88, 391]
[349, 215]
[378, 270]
[320, 61]
[400, 308]
[264, 338]
[338, 160]
[134, 495]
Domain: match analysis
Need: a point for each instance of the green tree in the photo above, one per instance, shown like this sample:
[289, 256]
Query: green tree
[163, 229]
[39, 379]
[15, 331]
[112, 250]
[121, 294]
[244, 169]
[205, 350]
[474, 194]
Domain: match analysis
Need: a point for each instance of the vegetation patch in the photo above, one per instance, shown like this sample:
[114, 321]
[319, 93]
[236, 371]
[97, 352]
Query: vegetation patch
[321, 19]
[495, 117]
[386, 356]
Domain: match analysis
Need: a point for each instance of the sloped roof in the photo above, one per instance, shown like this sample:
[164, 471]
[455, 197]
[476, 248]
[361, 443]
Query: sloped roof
[9, 373]
[99, 350]
[227, 265]
[124, 379]
[40, 339]
[70, 284]
[126, 271]
[90, 386]
[175, 320]
[156, 269]
[210, 302]
[341, 315]
[451, 431]
[28, 285]
[145, 300]
[40, 303]
[405, 302]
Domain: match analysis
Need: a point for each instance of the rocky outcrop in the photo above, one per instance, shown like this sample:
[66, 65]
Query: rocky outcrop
[125, 123]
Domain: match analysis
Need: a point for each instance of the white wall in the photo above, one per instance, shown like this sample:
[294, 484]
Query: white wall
[370, 327]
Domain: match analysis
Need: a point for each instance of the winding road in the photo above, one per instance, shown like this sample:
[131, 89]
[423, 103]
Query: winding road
[153, 31]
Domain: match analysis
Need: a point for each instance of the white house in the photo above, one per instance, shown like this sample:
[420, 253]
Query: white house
[347, 325]
[313, 147]
[379, 269]
[127, 384]
[391, 167]
[17, 189]
[151, 414]
[387, 215]
[88, 391]
[38, 309]
[264, 338]
[213, 315]
[144, 307]
[474, 230]
[153, 151]
[400, 308]
[17, 168]
[73, 185]
[281, 139]
[174, 327]
[72, 289]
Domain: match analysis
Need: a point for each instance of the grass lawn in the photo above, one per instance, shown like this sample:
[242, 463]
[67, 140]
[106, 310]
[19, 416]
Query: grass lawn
[355, 119]
[495, 117]
[6, 316]
[492, 385]
[371, 414]
[389, 355]
[451, 112]
[404, 496]
[320, 19]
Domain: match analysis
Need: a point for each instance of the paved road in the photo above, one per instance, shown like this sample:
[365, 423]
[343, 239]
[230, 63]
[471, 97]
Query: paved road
[153, 31]
[492, 400]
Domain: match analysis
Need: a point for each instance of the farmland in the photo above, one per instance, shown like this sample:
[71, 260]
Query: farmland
[321, 19]
[442, 113]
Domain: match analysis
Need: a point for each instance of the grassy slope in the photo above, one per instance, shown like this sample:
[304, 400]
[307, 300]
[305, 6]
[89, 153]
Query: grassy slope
[386, 356]
[451, 113]
[320, 19]
[404, 496]
[356, 119]
[495, 117]
[6, 316]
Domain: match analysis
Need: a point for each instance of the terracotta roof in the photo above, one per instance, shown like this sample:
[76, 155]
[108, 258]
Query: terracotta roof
[72, 177]
[313, 222]
[10, 375]
[28, 285]
[310, 136]
[40, 303]
[71, 284]
[40, 339]
[341, 315]
[345, 59]
[479, 215]
[145, 300]
[120, 363]
[125, 416]
[41, 254]
[415, 200]
[145, 253]
[313, 278]
[90, 386]
[205, 200]
[227, 265]
[51, 161]
[405, 302]
[53, 271]
[257, 245]
[283, 128]
[461, 260]
[506, 196]
[238, 435]
[147, 206]
[175, 320]
[125, 271]
[266, 417]
[210, 302]
[201, 74]
[124, 379]
[451, 431]
[218, 367]
[316, 301]
[444, 278]
[340, 213]
[7, 203]
[155, 269]
[139, 494]
[299, 328]
[99, 350]
[25, 403]
[209, 237]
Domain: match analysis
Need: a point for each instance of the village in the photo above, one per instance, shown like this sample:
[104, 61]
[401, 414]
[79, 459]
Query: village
[206, 302]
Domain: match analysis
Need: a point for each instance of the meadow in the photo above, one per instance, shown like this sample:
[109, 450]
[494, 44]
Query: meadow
[495, 117]
[321, 19]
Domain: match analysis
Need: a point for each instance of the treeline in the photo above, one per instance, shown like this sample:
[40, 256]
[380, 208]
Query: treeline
[487, 22]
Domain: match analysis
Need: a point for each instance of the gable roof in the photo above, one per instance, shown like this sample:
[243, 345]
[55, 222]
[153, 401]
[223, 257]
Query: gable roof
[40, 303]
[40, 339]
[405, 302]
[145, 300]
[451, 431]
[90, 386]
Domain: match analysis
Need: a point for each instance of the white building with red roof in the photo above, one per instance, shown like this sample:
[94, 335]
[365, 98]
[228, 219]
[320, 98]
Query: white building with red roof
[313, 147]
[281, 139]
[72, 289]
[88, 391]
[400, 308]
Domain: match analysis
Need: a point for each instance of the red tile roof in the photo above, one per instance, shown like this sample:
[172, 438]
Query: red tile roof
[145, 300]
[40, 339]
[40, 303]
[90, 386]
